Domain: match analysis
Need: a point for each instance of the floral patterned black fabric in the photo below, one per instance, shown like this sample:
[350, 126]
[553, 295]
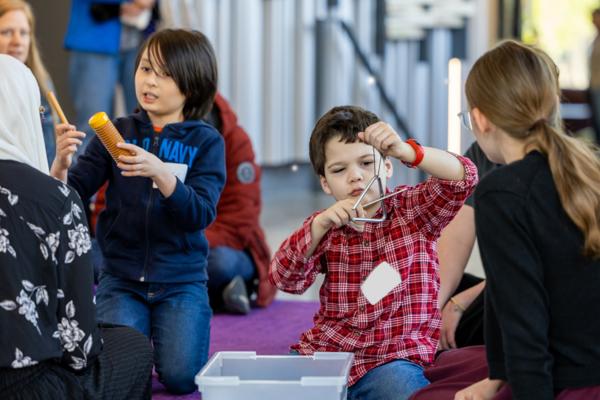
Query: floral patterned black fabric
[46, 300]
[50, 344]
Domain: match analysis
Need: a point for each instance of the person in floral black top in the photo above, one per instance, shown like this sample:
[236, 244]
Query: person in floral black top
[48, 328]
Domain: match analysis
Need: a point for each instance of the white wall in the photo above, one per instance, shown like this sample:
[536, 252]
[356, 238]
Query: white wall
[268, 68]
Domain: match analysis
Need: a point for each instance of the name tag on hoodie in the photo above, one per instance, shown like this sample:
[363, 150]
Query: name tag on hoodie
[380, 282]
[179, 170]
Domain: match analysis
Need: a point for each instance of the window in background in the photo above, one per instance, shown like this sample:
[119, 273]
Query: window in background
[564, 30]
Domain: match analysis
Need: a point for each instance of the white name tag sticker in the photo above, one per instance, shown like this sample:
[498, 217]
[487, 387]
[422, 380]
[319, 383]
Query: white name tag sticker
[380, 282]
[179, 170]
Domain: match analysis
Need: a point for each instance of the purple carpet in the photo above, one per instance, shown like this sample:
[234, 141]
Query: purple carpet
[266, 331]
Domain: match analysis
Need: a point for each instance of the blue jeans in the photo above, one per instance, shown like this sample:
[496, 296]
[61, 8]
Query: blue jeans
[224, 263]
[48, 130]
[92, 81]
[176, 316]
[396, 380]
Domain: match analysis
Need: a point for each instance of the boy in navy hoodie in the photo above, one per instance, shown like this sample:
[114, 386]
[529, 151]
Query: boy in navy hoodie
[152, 231]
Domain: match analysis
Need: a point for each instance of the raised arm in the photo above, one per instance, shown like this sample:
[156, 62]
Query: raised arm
[438, 163]
[435, 202]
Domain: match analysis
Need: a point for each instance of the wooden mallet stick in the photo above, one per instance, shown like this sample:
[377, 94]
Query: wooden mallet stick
[56, 107]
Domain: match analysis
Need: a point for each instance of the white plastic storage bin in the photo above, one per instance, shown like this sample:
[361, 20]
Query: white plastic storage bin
[232, 375]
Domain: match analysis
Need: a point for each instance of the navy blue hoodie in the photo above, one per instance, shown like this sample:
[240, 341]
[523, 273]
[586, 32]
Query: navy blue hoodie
[143, 235]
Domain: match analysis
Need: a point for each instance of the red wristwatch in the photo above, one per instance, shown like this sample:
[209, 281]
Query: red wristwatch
[419, 153]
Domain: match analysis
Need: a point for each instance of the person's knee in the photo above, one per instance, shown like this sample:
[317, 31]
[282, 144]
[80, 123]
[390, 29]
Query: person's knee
[178, 381]
[177, 373]
[128, 356]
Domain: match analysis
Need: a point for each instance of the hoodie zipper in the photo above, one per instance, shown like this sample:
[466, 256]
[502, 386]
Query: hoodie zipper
[148, 209]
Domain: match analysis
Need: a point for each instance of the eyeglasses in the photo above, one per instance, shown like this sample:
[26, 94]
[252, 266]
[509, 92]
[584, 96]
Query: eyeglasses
[465, 119]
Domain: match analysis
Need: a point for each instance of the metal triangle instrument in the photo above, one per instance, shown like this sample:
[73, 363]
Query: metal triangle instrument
[375, 178]
[387, 196]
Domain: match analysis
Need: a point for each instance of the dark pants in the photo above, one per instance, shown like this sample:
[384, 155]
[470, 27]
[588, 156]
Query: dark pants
[121, 371]
[223, 264]
[469, 331]
[456, 369]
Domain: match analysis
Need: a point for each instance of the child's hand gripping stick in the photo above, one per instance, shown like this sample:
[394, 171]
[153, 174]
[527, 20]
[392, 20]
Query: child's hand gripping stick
[108, 134]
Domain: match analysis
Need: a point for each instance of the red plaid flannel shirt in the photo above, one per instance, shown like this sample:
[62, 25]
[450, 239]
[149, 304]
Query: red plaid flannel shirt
[405, 324]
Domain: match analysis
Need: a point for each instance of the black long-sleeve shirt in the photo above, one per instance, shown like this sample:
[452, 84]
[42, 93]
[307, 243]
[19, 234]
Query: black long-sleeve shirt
[46, 277]
[542, 309]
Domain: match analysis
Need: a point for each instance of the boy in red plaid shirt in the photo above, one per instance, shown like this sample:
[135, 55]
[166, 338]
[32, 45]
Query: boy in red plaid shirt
[396, 336]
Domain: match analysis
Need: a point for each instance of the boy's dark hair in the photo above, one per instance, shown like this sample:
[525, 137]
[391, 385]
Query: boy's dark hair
[343, 121]
[189, 58]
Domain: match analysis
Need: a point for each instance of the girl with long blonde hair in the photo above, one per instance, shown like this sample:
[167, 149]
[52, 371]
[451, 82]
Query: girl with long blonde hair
[538, 227]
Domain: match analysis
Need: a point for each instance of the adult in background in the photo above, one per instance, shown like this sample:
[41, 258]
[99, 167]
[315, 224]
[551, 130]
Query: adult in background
[239, 257]
[103, 38]
[17, 39]
[538, 228]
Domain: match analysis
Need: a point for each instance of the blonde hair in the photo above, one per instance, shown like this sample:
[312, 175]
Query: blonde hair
[516, 88]
[33, 61]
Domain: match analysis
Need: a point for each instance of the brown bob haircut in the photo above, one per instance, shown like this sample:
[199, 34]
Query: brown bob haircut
[188, 58]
